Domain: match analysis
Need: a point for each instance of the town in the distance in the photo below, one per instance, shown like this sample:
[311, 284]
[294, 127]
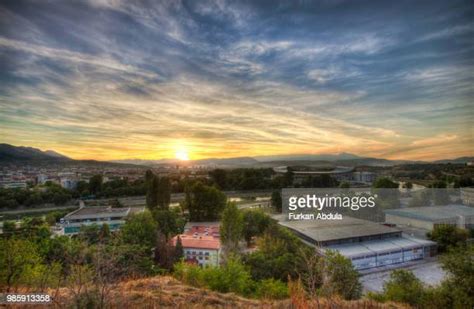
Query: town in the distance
[225, 216]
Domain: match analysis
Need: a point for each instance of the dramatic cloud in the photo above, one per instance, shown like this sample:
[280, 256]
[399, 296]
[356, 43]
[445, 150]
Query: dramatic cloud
[116, 79]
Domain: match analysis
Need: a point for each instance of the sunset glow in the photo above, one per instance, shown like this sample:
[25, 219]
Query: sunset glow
[111, 80]
[182, 155]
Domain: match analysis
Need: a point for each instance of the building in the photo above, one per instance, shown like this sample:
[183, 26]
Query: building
[301, 173]
[113, 217]
[370, 254]
[13, 184]
[41, 179]
[201, 243]
[467, 196]
[333, 232]
[68, 183]
[364, 177]
[428, 217]
[367, 244]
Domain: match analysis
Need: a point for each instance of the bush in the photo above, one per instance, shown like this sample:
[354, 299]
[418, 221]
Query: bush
[448, 237]
[271, 289]
[231, 277]
[404, 287]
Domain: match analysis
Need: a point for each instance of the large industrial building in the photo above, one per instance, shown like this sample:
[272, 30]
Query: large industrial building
[467, 196]
[340, 173]
[300, 173]
[367, 244]
[113, 217]
[428, 217]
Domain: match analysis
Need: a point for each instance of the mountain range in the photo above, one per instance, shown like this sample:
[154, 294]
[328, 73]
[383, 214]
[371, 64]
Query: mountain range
[10, 153]
[21, 154]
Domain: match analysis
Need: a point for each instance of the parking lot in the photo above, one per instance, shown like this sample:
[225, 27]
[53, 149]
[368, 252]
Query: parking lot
[429, 272]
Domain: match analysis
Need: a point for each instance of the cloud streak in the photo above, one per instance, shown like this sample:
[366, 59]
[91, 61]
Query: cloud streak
[119, 79]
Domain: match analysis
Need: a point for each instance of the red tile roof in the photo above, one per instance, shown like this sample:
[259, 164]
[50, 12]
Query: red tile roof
[202, 230]
[198, 242]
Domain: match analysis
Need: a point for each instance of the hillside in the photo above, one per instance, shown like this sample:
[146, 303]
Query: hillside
[19, 155]
[167, 292]
[9, 153]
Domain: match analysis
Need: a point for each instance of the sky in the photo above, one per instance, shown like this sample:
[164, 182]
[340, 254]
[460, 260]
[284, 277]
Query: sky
[120, 79]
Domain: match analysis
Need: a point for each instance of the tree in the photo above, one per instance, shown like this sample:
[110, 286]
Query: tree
[231, 227]
[344, 185]
[158, 191]
[82, 188]
[140, 229]
[164, 252]
[387, 193]
[404, 287]
[233, 276]
[89, 233]
[277, 255]
[310, 273]
[459, 284]
[219, 176]
[204, 203]
[9, 227]
[276, 201]
[18, 260]
[448, 236]
[289, 177]
[385, 183]
[255, 223]
[408, 185]
[152, 183]
[178, 249]
[164, 193]
[341, 278]
[167, 222]
[104, 232]
[95, 184]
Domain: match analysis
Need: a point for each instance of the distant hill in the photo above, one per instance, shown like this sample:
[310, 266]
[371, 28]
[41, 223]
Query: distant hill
[226, 162]
[20, 154]
[461, 160]
[239, 161]
[10, 153]
[306, 157]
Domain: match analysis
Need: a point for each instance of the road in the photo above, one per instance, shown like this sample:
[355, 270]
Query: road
[134, 201]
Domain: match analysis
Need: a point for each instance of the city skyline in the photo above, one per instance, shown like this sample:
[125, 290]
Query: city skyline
[111, 80]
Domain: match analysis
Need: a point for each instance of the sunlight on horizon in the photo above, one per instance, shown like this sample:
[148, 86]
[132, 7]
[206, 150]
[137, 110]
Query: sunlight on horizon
[182, 153]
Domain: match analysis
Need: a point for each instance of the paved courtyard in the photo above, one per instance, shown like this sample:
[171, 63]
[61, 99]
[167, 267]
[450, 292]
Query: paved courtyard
[429, 272]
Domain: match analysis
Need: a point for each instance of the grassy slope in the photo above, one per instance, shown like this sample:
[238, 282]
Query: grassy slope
[167, 292]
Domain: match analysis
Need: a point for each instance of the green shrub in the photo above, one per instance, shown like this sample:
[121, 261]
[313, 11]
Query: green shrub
[271, 289]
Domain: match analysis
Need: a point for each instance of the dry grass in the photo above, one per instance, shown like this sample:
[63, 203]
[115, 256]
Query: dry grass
[167, 292]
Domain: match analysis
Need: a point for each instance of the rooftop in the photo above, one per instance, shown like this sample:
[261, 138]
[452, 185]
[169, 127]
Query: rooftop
[433, 213]
[378, 246]
[326, 230]
[198, 242]
[205, 224]
[97, 212]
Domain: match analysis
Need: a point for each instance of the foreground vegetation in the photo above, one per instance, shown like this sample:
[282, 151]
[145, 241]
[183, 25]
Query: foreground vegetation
[261, 259]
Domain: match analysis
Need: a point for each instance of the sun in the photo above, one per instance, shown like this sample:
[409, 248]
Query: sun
[182, 155]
